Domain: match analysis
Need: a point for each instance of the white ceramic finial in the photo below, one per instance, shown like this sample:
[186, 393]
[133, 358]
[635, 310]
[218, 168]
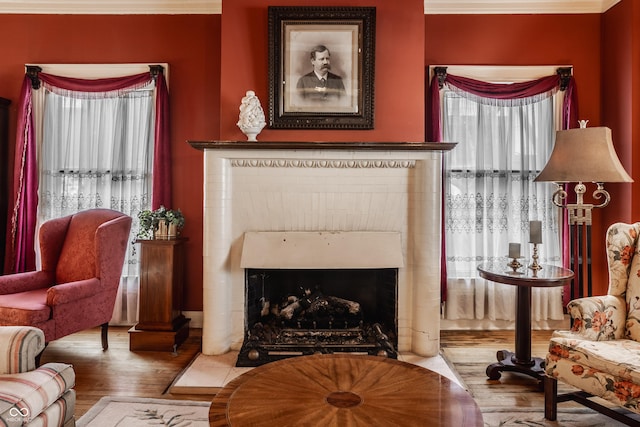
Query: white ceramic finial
[251, 119]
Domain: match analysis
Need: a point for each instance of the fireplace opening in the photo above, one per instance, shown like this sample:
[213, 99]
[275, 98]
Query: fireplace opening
[294, 312]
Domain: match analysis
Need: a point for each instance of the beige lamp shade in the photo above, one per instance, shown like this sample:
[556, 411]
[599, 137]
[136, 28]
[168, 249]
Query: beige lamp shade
[584, 155]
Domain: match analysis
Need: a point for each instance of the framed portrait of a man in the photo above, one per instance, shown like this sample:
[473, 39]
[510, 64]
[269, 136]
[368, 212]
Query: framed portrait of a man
[321, 67]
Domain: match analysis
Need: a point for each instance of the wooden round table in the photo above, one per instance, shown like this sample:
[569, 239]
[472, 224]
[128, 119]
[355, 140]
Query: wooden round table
[343, 390]
[525, 279]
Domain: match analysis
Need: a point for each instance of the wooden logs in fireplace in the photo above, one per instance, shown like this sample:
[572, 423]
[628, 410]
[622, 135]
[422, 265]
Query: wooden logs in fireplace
[313, 323]
[315, 306]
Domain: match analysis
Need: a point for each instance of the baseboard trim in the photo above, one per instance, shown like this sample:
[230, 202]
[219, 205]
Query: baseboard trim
[196, 318]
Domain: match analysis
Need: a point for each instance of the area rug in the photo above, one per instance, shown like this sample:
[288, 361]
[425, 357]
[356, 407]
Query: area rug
[208, 374]
[567, 417]
[137, 412]
[113, 411]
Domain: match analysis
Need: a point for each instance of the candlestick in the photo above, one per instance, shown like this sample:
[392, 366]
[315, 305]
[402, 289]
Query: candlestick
[535, 232]
[534, 265]
[515, 265]
[514, 250]
[514, 254]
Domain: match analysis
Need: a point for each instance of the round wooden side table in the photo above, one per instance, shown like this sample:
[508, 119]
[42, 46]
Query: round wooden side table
[343, 390]
[525, 279]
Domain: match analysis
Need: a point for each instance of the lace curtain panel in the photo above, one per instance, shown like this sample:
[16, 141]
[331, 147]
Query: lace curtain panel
[490, 197]
[97, 151]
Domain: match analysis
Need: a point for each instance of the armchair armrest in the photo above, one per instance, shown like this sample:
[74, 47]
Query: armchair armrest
[19, 346]
[27, 281]
[600, 318]
[73, 291]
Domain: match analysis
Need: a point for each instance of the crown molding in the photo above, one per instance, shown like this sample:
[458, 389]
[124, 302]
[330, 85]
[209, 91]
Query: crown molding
[210, 7]
[479, 7]
[112, 7]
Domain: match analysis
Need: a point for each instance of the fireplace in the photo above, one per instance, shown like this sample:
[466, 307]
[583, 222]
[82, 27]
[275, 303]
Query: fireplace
[319, 292]
[357, 195]
[293, 312]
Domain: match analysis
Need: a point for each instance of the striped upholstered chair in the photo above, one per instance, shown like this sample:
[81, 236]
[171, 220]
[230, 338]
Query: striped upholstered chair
[32, 395]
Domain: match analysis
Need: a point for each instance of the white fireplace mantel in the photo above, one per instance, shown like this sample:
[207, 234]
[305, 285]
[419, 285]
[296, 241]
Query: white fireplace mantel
[363, 187]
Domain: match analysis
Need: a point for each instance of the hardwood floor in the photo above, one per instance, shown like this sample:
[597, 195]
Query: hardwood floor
[472, 351]
[120, 372]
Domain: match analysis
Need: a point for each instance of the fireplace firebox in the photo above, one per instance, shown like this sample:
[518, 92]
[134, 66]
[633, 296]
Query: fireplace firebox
[294, 312]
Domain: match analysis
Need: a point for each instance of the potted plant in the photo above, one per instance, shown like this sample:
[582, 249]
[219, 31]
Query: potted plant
[161, 223]
[170, 222]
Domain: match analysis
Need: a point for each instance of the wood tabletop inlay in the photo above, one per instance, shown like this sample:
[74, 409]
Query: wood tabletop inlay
[343, 390]
[343, 399]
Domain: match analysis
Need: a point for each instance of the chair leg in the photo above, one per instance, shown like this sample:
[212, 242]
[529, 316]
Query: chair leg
[105, 339]
[550, 398]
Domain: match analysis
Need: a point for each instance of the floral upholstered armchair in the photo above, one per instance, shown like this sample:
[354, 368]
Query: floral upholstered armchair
[31, 395]
[600, 355]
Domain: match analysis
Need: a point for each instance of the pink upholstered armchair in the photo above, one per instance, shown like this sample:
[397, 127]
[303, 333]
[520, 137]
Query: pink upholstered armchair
[82, 257]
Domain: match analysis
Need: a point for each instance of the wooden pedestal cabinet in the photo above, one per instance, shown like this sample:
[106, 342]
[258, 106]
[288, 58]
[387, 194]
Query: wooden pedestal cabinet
[161, 324]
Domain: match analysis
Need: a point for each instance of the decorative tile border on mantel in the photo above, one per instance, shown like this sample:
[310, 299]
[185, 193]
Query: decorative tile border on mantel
[323, 164]
[326, 145]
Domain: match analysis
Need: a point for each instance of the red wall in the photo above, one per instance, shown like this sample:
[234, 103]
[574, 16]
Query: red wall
[572, 39]
[620, 107]
[522, 40]
[191, 46]
[204, 51]
[399, 78]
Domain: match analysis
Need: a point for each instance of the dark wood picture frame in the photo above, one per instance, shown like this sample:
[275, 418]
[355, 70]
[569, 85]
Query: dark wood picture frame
[348, 33]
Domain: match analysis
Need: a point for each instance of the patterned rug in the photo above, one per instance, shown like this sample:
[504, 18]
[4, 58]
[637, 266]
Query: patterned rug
[567, 417]
[138, 411]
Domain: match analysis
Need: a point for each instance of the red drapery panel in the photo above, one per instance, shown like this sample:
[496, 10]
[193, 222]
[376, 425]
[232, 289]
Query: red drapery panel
[25, 189]
[162, 154]
[506, 91]
[25, 181]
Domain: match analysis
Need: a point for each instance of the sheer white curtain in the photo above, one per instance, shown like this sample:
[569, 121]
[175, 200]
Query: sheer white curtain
[490, 197]
[97, 151]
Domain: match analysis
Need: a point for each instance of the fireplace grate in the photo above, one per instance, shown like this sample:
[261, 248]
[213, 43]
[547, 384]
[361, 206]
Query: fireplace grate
[265, 345]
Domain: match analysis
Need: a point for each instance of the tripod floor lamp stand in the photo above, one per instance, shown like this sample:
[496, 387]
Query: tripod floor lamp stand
[582, 155]
[580, 234]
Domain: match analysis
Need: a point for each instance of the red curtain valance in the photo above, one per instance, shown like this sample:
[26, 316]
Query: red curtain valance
[504, 90]
[518, 90]
[96, 85]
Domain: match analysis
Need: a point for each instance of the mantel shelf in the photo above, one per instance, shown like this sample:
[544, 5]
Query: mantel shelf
[322, 145]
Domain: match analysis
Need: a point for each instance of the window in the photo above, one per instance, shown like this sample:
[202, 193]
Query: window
[490, 196]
